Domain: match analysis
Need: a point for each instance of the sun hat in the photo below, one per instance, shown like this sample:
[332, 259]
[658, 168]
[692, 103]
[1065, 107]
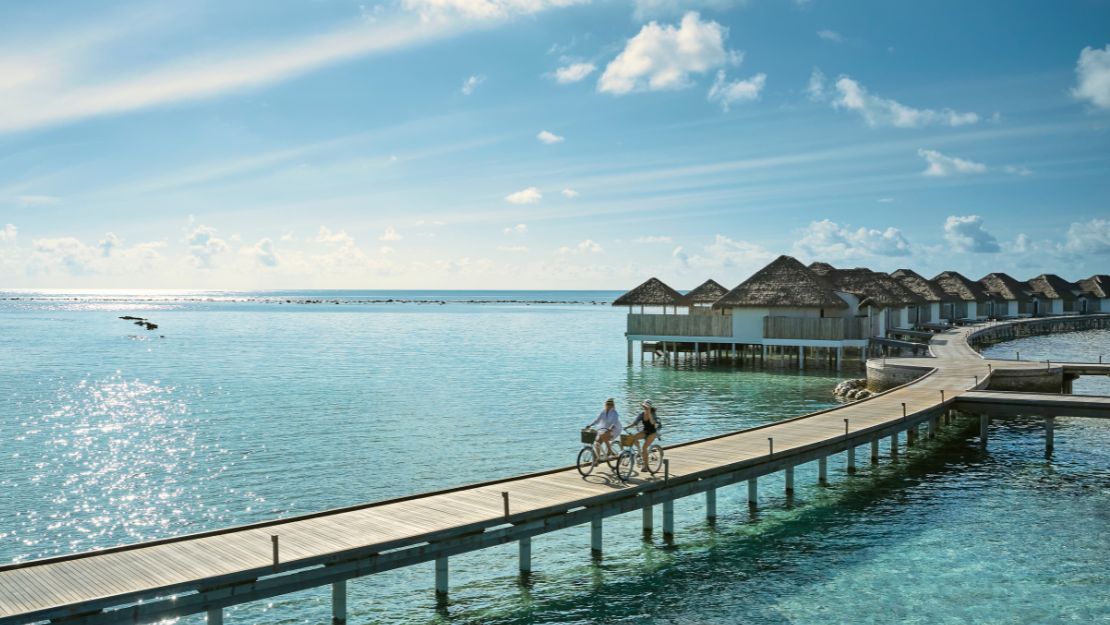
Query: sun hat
[647, 403]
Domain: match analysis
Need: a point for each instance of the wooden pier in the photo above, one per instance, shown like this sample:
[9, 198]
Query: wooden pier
[209, 571]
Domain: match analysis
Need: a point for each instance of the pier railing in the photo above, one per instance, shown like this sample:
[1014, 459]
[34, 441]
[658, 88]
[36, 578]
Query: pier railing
[814, 328]
[679, 325]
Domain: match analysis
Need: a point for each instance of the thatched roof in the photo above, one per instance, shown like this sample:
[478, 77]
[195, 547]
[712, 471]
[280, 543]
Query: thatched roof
[921, 287]
[1053, 286]
[872, 287]
[705, 293]
[651, 293]
[785, 282]
[954, 283]
[1097, 285]
[1003, 286]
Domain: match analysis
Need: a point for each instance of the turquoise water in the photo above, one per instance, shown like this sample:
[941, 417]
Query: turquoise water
[251, 408]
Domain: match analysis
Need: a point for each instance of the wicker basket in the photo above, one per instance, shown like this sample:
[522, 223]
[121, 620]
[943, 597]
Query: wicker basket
[628, 440]
[589, 436]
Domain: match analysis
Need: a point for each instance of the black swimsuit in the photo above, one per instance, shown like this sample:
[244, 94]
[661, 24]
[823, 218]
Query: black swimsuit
[649, 428]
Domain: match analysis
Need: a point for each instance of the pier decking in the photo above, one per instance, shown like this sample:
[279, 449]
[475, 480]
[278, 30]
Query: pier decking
[209, 571]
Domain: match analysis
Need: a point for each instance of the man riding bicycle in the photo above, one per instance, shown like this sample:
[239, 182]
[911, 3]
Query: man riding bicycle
[608, 424]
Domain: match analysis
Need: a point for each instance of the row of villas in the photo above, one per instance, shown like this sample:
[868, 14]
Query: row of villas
[790, 305]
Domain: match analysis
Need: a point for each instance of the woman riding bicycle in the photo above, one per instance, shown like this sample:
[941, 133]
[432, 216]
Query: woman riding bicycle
[650, 428]
[608, 428]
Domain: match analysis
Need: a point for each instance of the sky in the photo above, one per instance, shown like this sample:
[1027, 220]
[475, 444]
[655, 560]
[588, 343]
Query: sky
[547, 144]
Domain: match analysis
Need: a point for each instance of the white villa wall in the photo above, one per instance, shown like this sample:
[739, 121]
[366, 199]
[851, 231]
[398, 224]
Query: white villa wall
[934, 311]
[1057, 306]
[853, 306]
[1014, 308]
[973, 310]
[747, 323]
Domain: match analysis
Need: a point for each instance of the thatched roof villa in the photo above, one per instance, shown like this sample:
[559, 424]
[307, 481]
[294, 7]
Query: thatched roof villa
[704, 295]
[1009, 296]
[969, 298]
[1052, 294]
[1097, 292]
[653, 292]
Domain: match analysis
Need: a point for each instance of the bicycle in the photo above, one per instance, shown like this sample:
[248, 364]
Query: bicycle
[588, 455]
[631, 456]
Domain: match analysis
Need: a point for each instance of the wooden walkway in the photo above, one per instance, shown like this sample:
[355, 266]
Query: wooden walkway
[1006, 404]
[209, 571]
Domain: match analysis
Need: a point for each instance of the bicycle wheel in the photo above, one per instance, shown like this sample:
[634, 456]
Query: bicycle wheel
[625, 464]
[586, 460]
[614, 457]
[655, 459]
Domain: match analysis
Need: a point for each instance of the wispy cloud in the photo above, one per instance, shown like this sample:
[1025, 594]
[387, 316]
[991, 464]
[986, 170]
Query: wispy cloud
[967, 234]
[549, 137]
[570, 193]
[878, 111]
[831, 35]
[1093, 77]
[941, 165]
[574, 72]
[728, 93]
[471, 83]
[531, 195]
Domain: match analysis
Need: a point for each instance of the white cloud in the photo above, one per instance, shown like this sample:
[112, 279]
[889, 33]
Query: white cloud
[729, 93]
[70, 256]
[8, 233]
[108, 243]
[1092, 237]
[941, 165]
[1092, 72]
[966, 234]
[815, 88]
[386, 250]
[550, 137]
[570, 193]
[328, 237]
[481, 9]
[828, 240]
[653, 239]
[531, 195]
[37, 200]
[663, 57]
[1017, 170]
[885, 200]
[66, 86]
[877, 111]
[288, 237]
[390, 234]
[588, 246]
[517, 229]
[574, 72]
[647, 9]
[725, 253]
[516, 249]
[830, 35]
[471, 83]
[264, 253]
[203, 244]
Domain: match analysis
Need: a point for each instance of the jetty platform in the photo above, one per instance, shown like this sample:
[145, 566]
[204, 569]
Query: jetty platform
[209, 571]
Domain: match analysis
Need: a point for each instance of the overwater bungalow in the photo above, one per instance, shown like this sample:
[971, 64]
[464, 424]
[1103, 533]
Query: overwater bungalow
[1009, 297]
[1096, 291]
[652, 293]
[703, 296]
[887, 302]
[1053, 295]
[969, 300]
[932, 296]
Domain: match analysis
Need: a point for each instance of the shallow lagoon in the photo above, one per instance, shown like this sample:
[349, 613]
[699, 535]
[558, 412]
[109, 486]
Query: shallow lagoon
[249, 410]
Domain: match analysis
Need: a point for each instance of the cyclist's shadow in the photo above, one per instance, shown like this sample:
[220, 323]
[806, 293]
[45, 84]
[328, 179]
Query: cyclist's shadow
[612, 481]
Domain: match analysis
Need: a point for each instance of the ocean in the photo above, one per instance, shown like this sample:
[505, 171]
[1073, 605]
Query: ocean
[253, 405]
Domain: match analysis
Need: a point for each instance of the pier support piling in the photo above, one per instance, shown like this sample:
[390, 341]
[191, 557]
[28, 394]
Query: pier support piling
[668, 519]
[525, 555]
[649, 519]
[1049, 435]
[984, 421]
[823, 471]
[441, 581]
[711, 505]
[933, 426]
[595, 537]
[894, 446]
[851, 460]
[911, 436]
[789, 481]
[339, 602]
[216, 616]
[753, 493]
[874, 451]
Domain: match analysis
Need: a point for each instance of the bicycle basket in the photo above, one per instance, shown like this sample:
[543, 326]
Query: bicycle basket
[589, 436]
[627, 440]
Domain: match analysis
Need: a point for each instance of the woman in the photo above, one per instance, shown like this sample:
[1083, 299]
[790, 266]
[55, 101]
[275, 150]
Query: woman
[650, 428]
[608, 428]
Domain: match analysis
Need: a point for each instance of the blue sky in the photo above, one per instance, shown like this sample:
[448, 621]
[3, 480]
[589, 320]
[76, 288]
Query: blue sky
[547, 143]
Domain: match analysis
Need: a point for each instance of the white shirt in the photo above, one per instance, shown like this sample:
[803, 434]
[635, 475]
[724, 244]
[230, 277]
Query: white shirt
[609, 420]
